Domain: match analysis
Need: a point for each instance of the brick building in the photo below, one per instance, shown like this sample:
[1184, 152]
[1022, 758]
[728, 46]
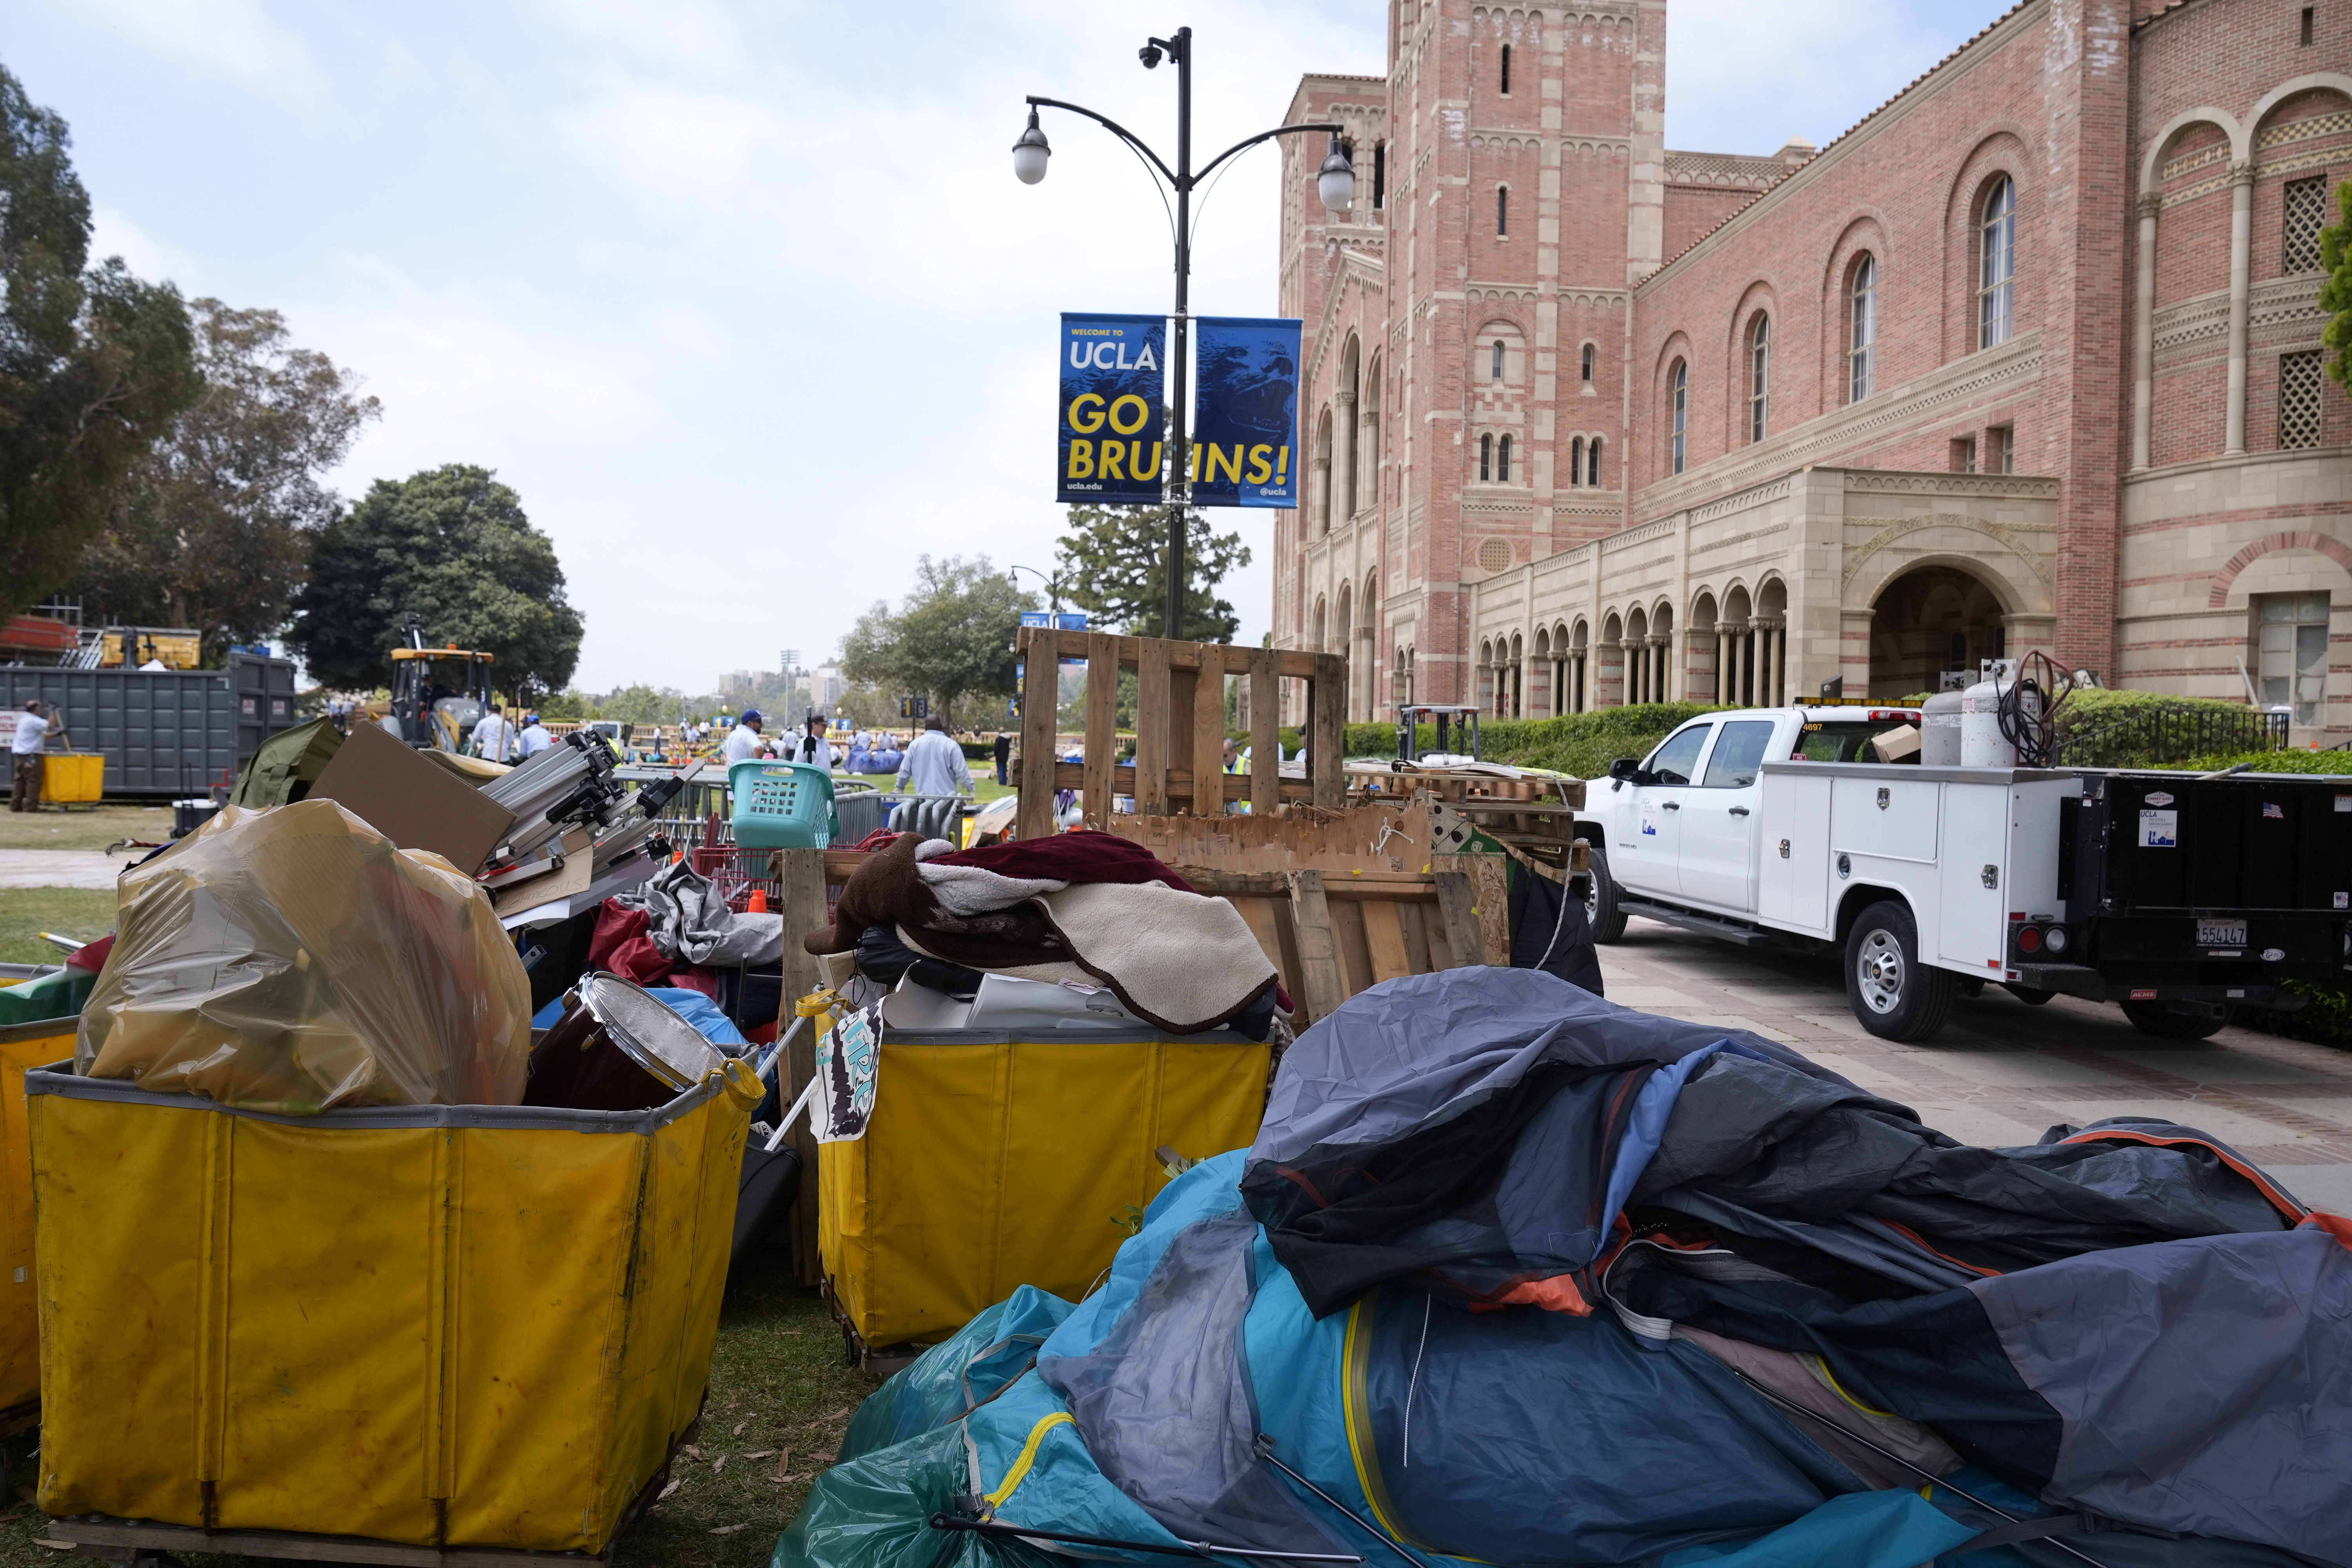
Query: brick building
[2029, 358]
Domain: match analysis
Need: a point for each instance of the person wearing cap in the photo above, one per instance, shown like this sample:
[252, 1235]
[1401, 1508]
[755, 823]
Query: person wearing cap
[33, 727]
[743, 740]
[535, 738]
[811, 746]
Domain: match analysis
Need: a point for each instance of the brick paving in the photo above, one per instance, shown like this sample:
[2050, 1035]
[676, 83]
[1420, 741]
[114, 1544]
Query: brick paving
[2001, 1071]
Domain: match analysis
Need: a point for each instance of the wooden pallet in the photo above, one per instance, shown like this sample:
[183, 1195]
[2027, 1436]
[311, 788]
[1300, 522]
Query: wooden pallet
[1179, 727]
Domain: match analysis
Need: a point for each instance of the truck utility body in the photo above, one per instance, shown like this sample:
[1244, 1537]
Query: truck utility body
[2176, 895]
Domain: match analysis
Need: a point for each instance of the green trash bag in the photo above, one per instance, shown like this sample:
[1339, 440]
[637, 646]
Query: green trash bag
[959, 1375]
[58, 995]
[875, 1512]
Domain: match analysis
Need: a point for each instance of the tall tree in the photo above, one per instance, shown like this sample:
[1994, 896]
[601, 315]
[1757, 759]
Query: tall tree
[451, 546]
[950, 639]
[93, 362]
[211, 528]
[1113, 563]
[2335, 294]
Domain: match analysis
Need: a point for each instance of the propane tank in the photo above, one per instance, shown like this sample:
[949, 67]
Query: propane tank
[1982, 745]
[1939, 730]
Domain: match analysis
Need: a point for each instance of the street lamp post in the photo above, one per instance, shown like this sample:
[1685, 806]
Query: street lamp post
[1335, 182]
[1053, 586]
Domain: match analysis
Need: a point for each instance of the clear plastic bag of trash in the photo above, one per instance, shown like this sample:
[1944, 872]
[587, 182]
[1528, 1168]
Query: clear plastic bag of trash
[293, 960]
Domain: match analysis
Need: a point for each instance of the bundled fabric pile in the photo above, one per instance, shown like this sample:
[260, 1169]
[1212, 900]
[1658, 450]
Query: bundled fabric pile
[1517, 1275]
[1080, 908]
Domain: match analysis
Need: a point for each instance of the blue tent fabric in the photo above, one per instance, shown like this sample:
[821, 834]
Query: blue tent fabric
[2194, 1388]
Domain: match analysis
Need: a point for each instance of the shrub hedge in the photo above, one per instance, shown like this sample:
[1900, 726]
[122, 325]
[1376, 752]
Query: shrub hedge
[1583, 744]
[2103, 728]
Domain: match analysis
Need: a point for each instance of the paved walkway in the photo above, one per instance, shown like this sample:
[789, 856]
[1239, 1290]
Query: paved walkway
[2001, 1071]
[61, 867]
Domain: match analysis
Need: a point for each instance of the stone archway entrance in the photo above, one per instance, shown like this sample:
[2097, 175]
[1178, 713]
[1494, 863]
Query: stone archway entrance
[1929, 620]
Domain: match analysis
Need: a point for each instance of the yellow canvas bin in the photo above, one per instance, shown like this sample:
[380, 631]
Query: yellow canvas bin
[72, 778]
[23, 1046]
[992, 1161]
[456, 1326]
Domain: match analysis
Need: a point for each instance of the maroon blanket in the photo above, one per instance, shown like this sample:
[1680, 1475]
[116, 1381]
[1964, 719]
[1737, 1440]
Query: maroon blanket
[1072, 857]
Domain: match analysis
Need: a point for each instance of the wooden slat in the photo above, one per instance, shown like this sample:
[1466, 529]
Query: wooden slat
[1102, 726]
[1384, 940]
[1414, 918]
[1348, 925]
[1265, 733]
[1409, 886]
[1208, 735]
[1040, 701]
[1322, 983]
[1181, 678]
[1151, 750]
[1489, 878]
[1457, 901]
[1264, 916]
[1326, 748]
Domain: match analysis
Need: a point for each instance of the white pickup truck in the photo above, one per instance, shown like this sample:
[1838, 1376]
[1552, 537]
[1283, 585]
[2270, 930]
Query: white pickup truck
[1781, 828]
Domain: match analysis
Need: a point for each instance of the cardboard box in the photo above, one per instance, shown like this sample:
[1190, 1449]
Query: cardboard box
[395, 790]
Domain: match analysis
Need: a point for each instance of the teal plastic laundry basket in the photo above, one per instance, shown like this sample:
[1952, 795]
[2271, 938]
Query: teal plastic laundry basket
[782, 805]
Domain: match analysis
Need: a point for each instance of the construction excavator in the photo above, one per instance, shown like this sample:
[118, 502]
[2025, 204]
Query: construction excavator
[438, 694]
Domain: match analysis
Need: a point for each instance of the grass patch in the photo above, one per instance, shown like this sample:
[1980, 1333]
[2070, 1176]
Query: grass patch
[778, 1374]
[92, 829]
[27, 913]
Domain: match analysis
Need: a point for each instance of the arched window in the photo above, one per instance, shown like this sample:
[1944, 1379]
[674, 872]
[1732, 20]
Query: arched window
[1502, 211]
[1863, 337]
[1592, 464]
[1575, 461]
[1759, 377]
[1506, 70]
[1996, 265]
[1503, 462]
[1588, 364]
[1680, 411]
[1486, 457]
[1496, 374]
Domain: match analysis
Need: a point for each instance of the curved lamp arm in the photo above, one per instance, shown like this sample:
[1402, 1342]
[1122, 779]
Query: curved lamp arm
[1115, 128]
[1206, 168]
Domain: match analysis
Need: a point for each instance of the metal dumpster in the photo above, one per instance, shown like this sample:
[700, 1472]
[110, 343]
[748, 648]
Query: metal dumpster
[992, 1161]
[441, 1326]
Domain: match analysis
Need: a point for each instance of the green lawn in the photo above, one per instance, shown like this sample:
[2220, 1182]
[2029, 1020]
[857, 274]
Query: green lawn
[92, 829]
[779, 1390]
[26, 912]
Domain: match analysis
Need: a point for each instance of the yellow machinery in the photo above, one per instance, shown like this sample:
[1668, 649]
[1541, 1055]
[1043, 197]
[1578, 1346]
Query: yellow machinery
[439, 1326]
[176, 647]
[992, 1161]
[438, 694]
[72, 778]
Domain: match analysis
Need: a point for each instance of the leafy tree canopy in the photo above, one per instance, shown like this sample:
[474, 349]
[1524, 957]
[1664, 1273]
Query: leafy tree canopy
[211, 528]
[1113, 563]
[93, 362]
[2335, 294]
[950, 640]
[451, 546]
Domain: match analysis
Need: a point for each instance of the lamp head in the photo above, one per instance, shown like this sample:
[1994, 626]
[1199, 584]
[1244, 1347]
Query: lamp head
[1336, 181]
[1149, 56]
[1029, 153]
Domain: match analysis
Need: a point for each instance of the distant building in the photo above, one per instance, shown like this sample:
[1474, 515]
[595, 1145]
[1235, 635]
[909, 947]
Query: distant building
[827, 685]
[2029, 358]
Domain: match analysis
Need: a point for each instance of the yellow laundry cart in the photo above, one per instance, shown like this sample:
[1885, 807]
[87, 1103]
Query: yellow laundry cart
[462, 1327]
[992, 1160]
[72, 778]
[22, 1047]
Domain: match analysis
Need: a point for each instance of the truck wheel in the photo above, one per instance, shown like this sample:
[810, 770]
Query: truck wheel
[1894, 996]
[2159, 1019]
[1600, 899]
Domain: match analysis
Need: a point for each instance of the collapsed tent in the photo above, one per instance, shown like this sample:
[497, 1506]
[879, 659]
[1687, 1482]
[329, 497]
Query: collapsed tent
[1515, 1275]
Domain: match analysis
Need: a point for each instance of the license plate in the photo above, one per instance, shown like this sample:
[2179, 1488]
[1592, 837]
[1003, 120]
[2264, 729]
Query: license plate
[2221, 934]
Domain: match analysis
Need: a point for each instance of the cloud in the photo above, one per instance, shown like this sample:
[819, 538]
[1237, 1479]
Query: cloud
[232, 36]
[113, 234]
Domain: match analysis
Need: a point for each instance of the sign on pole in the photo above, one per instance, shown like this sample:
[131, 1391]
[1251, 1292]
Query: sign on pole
[1112, 447]
[1247, 412]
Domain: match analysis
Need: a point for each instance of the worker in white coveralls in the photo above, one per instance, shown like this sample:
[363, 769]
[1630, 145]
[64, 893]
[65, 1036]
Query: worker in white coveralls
[743, 740]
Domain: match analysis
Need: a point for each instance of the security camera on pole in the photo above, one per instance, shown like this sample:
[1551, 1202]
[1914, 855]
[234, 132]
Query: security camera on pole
[1334, 181]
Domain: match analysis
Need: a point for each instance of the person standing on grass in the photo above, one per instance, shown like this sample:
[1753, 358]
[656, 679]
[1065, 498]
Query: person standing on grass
[33, 727]
[1003, 754]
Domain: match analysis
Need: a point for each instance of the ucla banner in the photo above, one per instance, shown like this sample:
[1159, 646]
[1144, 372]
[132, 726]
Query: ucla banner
[1248, 412]
[1111, 441]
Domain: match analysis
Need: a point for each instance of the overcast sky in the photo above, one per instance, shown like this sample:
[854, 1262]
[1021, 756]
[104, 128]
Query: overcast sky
[744, 299]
